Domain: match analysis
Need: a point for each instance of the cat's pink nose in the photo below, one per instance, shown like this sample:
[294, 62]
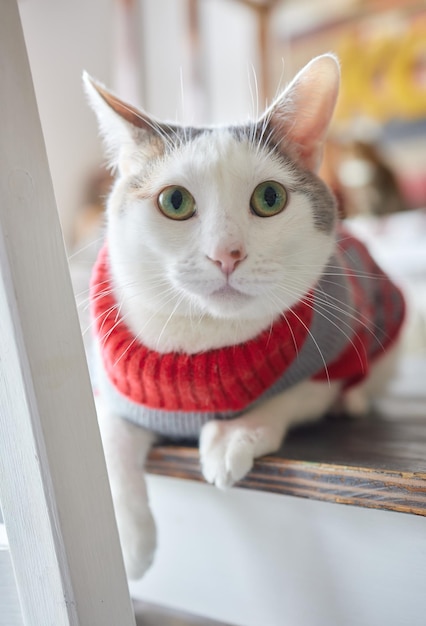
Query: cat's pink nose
[227, 259]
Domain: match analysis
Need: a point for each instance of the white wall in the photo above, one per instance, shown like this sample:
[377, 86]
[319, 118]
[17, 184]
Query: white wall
[227, 56]
[231, 51]
[62, 39]
[251, 558]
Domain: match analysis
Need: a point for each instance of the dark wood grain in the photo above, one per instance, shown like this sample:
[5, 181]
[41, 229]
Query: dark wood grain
[371, 463]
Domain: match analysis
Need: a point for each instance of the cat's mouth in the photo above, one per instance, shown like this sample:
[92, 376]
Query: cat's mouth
[229, 303]
[229, 293]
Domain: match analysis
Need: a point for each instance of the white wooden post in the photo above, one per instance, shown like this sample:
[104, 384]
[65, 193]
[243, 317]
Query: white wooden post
[53, 483]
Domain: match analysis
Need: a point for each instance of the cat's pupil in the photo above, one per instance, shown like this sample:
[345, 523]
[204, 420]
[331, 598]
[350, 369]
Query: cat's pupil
[270, 196]
[176, 199]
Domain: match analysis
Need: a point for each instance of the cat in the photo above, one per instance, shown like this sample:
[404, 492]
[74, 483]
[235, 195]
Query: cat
[228, 303]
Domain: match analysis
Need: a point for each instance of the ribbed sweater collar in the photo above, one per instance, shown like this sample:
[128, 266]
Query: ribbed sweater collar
[224, 379]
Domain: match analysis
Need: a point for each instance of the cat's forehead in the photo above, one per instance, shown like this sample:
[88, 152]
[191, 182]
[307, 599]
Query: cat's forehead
[254, 132]
[217, 145]
[221, 139]
[224, 152]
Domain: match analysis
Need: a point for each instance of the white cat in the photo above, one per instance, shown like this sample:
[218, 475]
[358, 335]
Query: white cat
[227, 302]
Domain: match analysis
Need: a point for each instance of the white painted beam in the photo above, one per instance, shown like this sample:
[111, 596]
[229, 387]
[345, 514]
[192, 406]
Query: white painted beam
[53, 483]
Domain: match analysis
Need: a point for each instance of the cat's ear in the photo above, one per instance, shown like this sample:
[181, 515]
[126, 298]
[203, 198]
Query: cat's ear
[130, 135]
[300, 117]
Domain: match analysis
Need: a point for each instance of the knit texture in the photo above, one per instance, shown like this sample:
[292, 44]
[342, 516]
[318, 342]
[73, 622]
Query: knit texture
[378, 313]
[227, 379]
[350, 317]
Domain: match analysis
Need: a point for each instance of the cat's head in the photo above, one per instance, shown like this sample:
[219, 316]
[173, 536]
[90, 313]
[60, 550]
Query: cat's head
[226, 222]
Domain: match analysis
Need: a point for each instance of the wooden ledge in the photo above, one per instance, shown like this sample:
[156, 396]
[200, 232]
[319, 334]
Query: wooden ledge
[371, 463]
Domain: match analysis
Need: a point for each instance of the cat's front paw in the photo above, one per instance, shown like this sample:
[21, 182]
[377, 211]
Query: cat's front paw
[136, 528]
[227, 452]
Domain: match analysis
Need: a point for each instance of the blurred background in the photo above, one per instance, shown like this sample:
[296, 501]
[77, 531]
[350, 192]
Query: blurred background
[215, 61]
[210, 61]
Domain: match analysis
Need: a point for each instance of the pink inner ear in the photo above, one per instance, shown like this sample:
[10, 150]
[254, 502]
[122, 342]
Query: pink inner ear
[302, 115]
[126, 111]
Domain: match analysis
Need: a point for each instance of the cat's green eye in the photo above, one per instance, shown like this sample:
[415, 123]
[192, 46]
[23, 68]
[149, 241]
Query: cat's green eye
[176, 203]
[268, 199]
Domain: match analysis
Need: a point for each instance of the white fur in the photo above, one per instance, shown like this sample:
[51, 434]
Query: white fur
[175, 297]
[126, 447]
[164, 279]
[228, 448]
[358, 400]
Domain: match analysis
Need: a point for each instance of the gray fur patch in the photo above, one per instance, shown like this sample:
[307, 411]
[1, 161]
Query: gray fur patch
[181, 135]
[320, 197]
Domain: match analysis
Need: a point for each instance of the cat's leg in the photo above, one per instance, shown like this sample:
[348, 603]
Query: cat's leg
[126, 447]
[228, 448]
[357, 401]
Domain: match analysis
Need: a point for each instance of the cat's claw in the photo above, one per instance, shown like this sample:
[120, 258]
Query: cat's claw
[227, 452]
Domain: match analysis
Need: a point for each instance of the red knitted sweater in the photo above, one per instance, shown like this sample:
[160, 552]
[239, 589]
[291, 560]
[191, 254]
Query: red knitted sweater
[226, 379]
[229, 379]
